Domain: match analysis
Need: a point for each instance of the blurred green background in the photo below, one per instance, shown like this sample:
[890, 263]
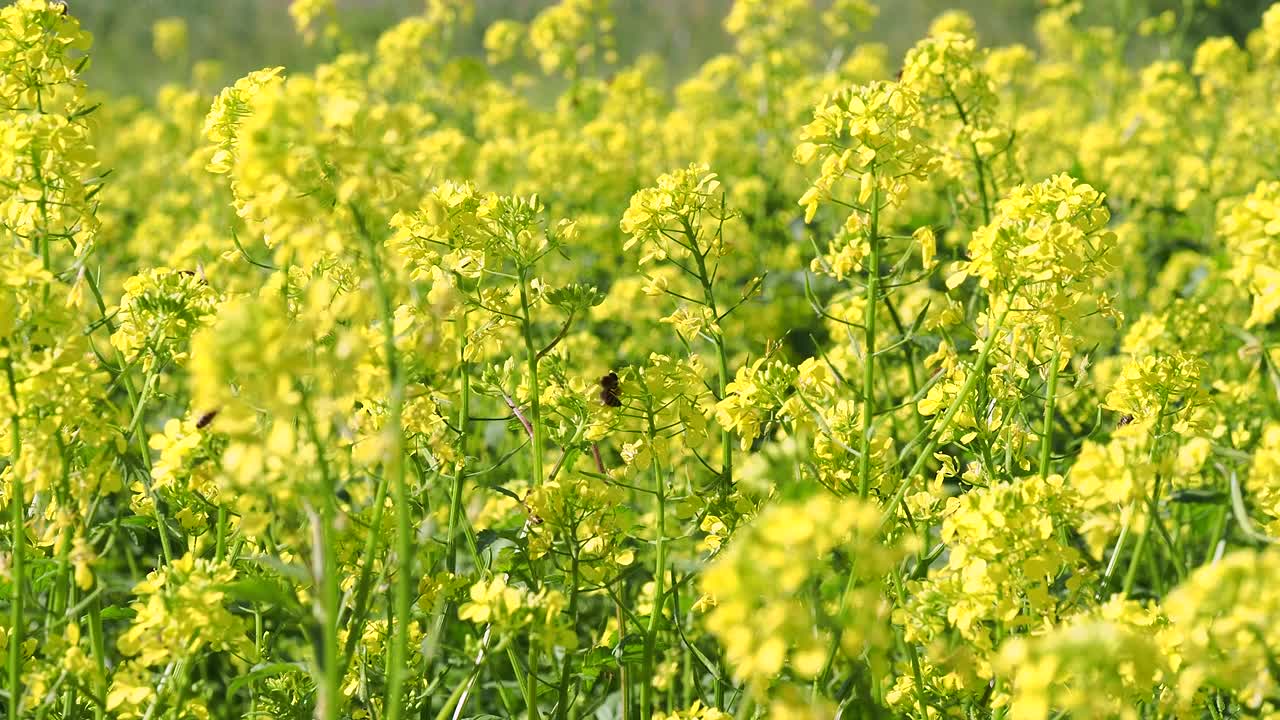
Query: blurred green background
[248, 34]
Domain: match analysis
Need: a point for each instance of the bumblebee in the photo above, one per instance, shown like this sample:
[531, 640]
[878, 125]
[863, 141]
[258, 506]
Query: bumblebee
[610, 392]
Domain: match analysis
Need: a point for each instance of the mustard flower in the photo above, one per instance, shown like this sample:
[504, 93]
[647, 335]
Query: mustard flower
[169, 38]
[41, 52]
[160, 311]
[869, 135]
[1104, 663]
[772, 579]
[222, 124]
[1227, 642]
[1249, 227]
[686, 201]
[572, 33]
[1154, 387]
[757, 391]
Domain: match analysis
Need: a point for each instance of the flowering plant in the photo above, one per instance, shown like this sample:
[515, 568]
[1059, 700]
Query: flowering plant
[411, 386]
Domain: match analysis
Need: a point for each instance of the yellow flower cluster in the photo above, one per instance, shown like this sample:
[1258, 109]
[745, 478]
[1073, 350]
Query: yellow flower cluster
[510, 608]
[683, 202]
[160, 310]
[1250, 228]
[570, 385]
[1228, 643]
[162, 632]
[776, 603]
[1155, 387]
[1043, 253]
[1099, 664]
[869, 136]
[757, 391]
[1010, 567]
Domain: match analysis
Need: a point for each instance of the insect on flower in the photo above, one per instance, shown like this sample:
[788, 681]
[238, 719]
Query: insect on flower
[610, 392]
[205, 419]
[534, 518]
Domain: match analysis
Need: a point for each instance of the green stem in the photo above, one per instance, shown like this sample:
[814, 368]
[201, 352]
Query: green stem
[136, 429]
[1050, 399]
[18, 538]
[566, 672]
[1132, 574]
[978, 165]
[531, 352]
[908, 348]
[869, 348]
[970, 383]
[98, 645]
[535, 420]
[532, 658]
[1126, 519]
[1219, 532]
[913, 655]
[525, 681]
[659, 576]
[220, 536]
[364, 583]
[722, 357]
[330, 592]
[464, 417]
[393, 467]
[452, 701]
[624, 673]
[726, 437]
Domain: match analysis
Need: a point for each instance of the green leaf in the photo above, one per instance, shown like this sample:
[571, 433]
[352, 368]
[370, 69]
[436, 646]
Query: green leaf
[261, 671]
[115, 612]
[503, 491]
[261, 590]
[630, 650]
[1198, 496]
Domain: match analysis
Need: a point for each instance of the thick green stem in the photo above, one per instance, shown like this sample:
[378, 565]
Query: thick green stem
[726, 437]
[566, 672]
[18, 538]
[464, 417]
[98, 645]
[535, 408]
[1050, 400]
[659, 592]
[331, 598]
[326, 539]
[536, 431]
[869, 349]
[393, 467]
[535, 421]
[526, 681]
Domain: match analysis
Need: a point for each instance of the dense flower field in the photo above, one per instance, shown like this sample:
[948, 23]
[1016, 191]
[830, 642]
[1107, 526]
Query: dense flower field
[817, 384]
